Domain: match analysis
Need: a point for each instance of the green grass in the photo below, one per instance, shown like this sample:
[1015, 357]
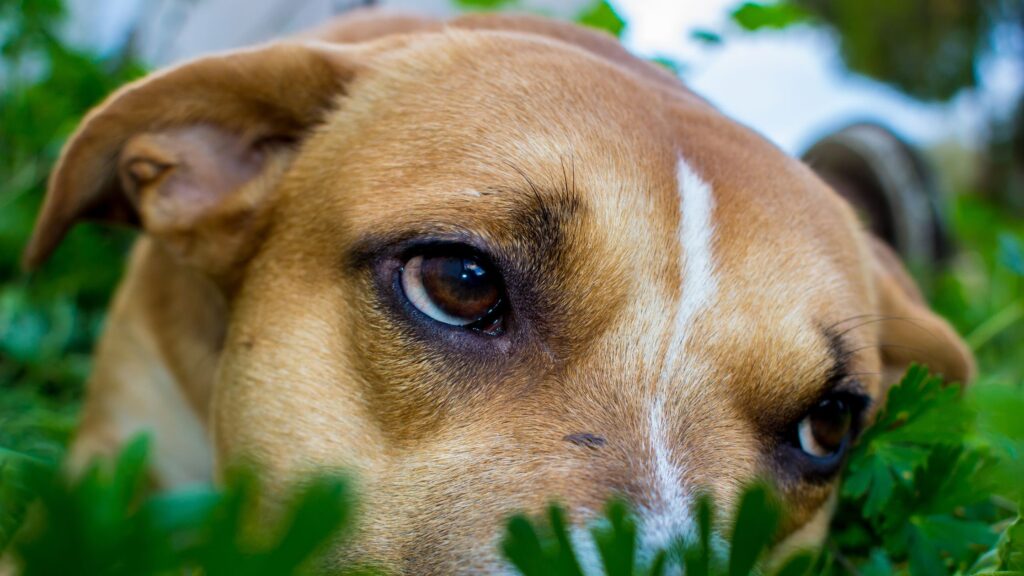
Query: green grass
[933, 487]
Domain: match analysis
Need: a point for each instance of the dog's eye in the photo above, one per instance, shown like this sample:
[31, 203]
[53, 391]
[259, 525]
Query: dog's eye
[454, 290]
[826, 430]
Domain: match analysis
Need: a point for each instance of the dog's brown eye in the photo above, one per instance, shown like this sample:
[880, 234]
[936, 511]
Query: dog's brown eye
[455, 290]
[825, 430]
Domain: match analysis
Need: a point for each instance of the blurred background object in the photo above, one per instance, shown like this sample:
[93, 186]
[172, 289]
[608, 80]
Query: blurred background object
[891, 185]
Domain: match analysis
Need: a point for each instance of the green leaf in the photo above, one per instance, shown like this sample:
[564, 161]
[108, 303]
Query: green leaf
[878, 564]
[565, 561]
[319, 512]
[96, 525]
[659, 565]
[955, 537]
[954, 477]
[798, 565]
[20, 475]
[698, 556]
[921, 416]
[1011, 253]
[923, 409]
[484, 4]
[704, 36]
[776, 15]
[1011, 546]
[754, 530]
[521, 546]
[673, 66]
[925, 558]
[603, 17]
[616, 540]
[999, 408]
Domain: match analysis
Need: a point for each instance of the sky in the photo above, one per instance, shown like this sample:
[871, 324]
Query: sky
[790, 85]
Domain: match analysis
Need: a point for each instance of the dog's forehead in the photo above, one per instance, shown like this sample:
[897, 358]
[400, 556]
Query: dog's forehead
[509, 138]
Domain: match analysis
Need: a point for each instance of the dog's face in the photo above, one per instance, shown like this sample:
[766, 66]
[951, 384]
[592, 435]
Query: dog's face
[502, 270]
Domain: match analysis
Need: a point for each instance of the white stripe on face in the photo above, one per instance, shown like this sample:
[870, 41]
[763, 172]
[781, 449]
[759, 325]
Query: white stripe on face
[696, 234]
[669, 518]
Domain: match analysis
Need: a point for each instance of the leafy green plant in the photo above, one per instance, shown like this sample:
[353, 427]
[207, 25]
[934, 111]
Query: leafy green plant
[101, 524]
[50, 319]
[538, 549]
[917, 495]
[914, 502]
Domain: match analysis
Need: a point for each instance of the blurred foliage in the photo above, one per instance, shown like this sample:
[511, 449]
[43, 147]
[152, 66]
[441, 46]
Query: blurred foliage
[603, 17]
[1002, 171]
[547, 548]
[932, 489]
[50, 319]
[929, 49]
[599, 14]
[752, 16]
[982, 294]
[104, 524]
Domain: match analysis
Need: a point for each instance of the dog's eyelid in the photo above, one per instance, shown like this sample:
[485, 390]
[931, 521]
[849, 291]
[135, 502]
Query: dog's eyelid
[368, 249]
[841, 377]
[842, 382]
[364, 253]
[840, 353]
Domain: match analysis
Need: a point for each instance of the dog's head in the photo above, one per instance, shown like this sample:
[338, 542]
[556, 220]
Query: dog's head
[483, 269]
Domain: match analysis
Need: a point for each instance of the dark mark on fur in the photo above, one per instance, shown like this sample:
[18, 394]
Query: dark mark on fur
[586, 440]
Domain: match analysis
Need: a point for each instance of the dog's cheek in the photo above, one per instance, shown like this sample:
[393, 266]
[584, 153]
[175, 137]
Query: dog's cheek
[808, 528]
[803, 506]
[286, 395]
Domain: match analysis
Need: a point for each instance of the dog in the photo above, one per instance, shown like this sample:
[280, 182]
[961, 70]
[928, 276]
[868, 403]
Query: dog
[480, 264]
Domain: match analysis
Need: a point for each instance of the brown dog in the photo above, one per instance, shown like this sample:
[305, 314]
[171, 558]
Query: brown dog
[481, 265]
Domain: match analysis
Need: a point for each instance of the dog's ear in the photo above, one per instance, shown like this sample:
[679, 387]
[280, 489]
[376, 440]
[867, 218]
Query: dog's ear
[910, 332]
[190, 154]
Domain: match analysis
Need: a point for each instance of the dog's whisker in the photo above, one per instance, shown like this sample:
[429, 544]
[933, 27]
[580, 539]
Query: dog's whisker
[864, 373]
[572, 165]
[565, 177]
[923, 353]
[835, 325]
[916, 323]
[534, 190]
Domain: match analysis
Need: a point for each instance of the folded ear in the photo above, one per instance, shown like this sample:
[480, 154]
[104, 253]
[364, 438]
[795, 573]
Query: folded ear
[909, 331]
[191, 153]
